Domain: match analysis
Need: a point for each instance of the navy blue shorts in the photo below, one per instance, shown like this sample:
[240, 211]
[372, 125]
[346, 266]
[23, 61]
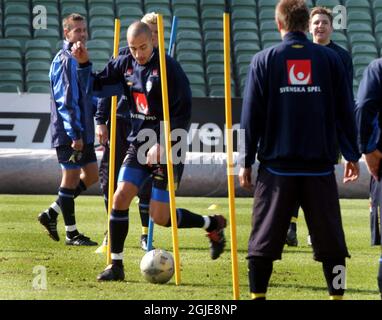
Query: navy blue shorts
[276, 197]
[136, 173]
[71, 159]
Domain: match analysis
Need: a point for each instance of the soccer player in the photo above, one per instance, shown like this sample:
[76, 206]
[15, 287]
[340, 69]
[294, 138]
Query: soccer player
[123, 128]
[138, 77]
[297, 109]
[368, 114]
[72, 128]
[321, 28]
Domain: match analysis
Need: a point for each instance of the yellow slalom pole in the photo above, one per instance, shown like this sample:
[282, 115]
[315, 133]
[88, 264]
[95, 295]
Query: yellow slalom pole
[230, 166]
[167, 130]
[113, 123]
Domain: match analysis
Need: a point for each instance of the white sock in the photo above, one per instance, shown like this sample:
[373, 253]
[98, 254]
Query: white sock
[56, 207]
[117, 256]
[207, 222]
[70, 228]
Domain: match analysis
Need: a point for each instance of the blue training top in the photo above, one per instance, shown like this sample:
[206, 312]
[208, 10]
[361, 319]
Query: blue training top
[297, 109]
[72, 111]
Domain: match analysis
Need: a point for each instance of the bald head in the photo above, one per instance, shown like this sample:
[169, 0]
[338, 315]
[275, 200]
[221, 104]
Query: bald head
[139, 39]
[137, 29]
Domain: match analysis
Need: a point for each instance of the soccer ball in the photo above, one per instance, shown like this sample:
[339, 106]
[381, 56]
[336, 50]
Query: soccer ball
[157, 266]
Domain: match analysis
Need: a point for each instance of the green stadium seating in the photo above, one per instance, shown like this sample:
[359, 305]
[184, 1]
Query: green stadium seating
[214, 47]
[10, 44]
[365, 49]
[15, 10]
[9, 67]
[100, 45]
[39, 44]
[245, 36]
[186, 57]
[359, 27]
[244, 14]
[215, 68]
[38, 89]
[104, 3]
[184, 4]
[134, 12]
[101, 11]
[52, 35]
[10, 55]
[377, 5]
[37, 55]
[101, 23]
[15, 78]
[211, 4]
[243, 3]
[190, 67]
[35, 79]
[212, 14]
[189, 35]
[267, 3]
[358, 38]
[185, 23]
[21, 34]
[186, 12]
[15, 21]
[246, 47]
[196, 79]
[213, 25]
[240, 25]
[327, 3]
[268, 25]
[267, 14]
[213, 36]
[9, 88]
[67, 10]
[189, 46]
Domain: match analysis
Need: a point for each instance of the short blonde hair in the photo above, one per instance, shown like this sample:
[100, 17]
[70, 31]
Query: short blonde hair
[67, 21]
[150, 17]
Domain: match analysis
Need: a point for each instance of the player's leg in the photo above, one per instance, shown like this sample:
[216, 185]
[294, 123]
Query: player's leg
[380, 274]
[323, 217]
[160, 212]
[375, 195]
[49, 216]
[291, 239]
[87, 177]
[144, 196]
[130, 178]
[270, 221]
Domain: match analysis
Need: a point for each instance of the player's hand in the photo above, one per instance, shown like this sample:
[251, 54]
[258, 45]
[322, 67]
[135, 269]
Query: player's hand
[154, 155]
[373, 160]
[245, 178]
[351, 171]
[102, 134]
[77, 145]
[80, 52]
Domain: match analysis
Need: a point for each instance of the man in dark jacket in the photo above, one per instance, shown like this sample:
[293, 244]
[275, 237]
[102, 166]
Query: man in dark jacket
[321, 28]
[72, 128]
[297, 109]
[123, 127]
[369, 121]
[137, 76]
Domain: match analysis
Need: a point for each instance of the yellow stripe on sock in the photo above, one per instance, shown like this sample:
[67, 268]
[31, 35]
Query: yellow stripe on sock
[293, 220]
[145, 230]
[336, 297]
[255, 296]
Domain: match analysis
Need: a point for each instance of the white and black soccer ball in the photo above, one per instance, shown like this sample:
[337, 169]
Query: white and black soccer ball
[157, 266]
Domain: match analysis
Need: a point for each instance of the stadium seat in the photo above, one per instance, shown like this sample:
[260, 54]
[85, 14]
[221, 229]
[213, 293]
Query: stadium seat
[267, 3]
[37, 55]
[190, 67]
[176, 4]
[21, 34]
[185, 57]
[10, 55]
[212, 14]
[15, 21]
[38, 44]
[268, 25]
[9, 88]
[10, 66]
[106, 35]
[196, 79]
[327, 3]
[37, 67]
[211, 4]
[10, 44]
[104, 3]
[15, 78]
[356, 16]
[246, 47]
[215, 68]
[359, 27]
[186, 12]
[52, 35]
[101, 23]
[189, 35]
[185, 23]
[214, 47]
[243, 3]
[240, 25]
[99, 56]
[100, 45]
[38, 89]
[67, 10]
[16, 10]
[244, 14]
[213, 25]
[360, 6]
[377, 5]
[213, 36]
[215, 58]
[197, 92]
[365, 49]
[245, 36]
[358, 38]
[267, 14]
[35, 79]
[101, 11]
[189, 45]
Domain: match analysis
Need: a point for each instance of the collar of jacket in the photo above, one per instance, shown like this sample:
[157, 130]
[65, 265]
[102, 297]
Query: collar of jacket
[66, 45]
[295, 35]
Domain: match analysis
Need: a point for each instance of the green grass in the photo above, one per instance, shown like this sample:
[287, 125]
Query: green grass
[71, 272]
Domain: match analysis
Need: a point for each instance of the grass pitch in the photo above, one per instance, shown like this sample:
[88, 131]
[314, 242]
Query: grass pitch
[26, 251]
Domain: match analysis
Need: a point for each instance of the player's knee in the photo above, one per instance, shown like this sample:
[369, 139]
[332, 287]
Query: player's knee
[159, 217]
[120, 199]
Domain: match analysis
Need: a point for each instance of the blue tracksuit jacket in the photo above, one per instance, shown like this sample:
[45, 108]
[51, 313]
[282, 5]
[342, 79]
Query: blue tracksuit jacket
[297, 109]
[72, 111]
